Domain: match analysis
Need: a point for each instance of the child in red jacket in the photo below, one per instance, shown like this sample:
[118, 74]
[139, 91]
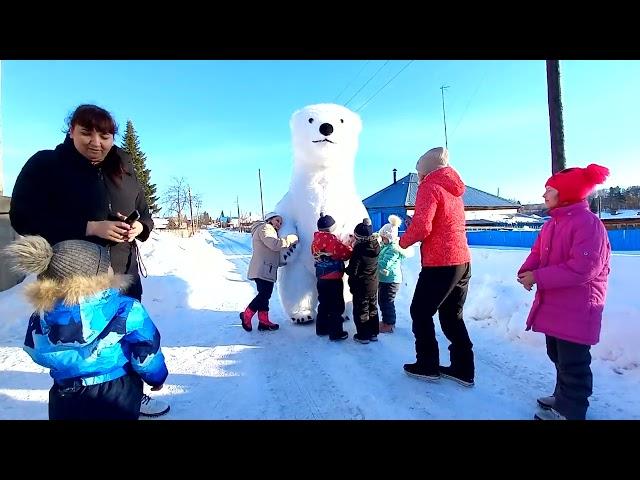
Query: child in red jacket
[329, 254]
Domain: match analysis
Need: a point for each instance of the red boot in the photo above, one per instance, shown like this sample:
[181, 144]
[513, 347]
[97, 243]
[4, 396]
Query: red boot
[246, 317]
[264, 323]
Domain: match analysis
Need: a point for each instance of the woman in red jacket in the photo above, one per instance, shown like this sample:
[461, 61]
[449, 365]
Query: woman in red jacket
[439, 224]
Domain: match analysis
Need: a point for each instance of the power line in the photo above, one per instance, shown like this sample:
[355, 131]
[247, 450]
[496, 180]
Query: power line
[261, 202]
[470, 100]
[352, 80]
[366, 83]
[380, 89]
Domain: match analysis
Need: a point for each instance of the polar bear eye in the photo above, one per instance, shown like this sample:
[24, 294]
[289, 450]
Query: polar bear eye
[341, 121]
[311, 120]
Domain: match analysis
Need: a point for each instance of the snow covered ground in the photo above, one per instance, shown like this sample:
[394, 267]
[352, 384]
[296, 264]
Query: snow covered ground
[197, 286]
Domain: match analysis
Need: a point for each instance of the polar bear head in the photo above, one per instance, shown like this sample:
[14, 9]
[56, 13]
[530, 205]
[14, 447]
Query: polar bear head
[325, 135]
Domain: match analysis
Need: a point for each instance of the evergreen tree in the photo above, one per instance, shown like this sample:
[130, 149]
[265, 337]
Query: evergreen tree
[131, 145]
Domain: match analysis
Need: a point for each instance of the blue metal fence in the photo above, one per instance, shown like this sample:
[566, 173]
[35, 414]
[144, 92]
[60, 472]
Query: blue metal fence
[621, 240]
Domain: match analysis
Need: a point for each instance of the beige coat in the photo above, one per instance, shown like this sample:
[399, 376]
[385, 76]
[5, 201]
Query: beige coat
[266, 252]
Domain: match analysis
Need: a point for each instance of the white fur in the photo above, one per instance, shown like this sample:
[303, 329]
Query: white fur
[395, 220]
[322, 181]
[30, 254]
[390, 230]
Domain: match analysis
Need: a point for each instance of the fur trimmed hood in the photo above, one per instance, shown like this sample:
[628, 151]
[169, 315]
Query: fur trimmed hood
[44, 293]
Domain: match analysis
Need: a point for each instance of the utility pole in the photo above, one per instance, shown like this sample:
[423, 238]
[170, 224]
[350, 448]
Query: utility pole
[261, 203]
[191, 211]
[444, 116]
[599, 206]
[556, 126]
[238, 204]
[198, 206]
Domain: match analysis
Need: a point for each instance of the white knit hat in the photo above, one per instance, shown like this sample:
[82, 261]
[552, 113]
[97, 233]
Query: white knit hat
[390, 230]
[433, 160]
[270, 215]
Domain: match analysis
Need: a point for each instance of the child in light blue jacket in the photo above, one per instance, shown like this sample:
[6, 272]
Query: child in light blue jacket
[390, 272]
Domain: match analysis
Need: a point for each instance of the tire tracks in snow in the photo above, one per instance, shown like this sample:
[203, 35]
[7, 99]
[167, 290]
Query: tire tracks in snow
[298, 384]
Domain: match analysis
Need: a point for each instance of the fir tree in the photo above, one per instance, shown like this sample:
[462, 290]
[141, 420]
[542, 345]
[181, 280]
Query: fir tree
[131, 145]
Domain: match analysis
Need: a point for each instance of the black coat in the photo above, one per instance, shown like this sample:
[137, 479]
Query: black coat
[363, 267]
[58, 191]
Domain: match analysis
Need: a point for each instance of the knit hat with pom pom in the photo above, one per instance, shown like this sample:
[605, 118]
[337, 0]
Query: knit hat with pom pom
[33, 254]
[363, 230]
[575, 184]
[390, 230]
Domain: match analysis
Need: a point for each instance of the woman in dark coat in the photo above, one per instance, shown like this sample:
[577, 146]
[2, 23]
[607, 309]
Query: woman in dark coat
[83, 190]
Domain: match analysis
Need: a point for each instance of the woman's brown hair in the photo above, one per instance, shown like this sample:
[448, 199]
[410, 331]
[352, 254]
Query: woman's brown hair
[96, 118]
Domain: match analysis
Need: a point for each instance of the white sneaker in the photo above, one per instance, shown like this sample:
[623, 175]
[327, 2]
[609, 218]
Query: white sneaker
[152, 407]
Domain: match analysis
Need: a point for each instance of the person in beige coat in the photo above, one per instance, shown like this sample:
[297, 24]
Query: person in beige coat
[263, 268]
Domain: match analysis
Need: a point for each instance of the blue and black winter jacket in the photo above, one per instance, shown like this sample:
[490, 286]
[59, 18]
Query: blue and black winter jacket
[85, 330]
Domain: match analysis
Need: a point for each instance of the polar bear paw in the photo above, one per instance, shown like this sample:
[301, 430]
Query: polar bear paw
[302, 319]
[288, 252]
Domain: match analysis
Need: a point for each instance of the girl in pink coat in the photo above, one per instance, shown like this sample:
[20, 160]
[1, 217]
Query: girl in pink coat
[569, 264]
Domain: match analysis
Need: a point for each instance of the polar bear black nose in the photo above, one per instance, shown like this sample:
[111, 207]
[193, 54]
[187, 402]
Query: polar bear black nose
[326, 129]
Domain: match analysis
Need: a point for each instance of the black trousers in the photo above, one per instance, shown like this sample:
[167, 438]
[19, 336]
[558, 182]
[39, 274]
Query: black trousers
[386, 298]
[574, 380]
[365, 312]
[117, 399]
[261, 300]
[442, 290]
[330, 306]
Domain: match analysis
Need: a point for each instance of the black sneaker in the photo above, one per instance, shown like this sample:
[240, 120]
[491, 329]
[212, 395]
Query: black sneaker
[322, 329]
[418, 371]
[373, 338]
[361, 339]
[448, 372]
[547, 402]
[339, 336]
[548, 414]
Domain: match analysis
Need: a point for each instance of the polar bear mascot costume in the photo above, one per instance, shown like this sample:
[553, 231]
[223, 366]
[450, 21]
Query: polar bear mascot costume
[325, 143]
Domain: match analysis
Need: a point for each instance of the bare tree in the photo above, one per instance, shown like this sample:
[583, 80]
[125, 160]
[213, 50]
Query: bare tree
[176, 197]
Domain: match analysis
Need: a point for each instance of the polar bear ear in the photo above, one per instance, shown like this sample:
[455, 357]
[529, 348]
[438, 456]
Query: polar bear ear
[302, 111]
[355, 121]
[293, 118]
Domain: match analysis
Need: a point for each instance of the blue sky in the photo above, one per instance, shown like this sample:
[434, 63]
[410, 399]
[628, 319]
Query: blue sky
[217, 122]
